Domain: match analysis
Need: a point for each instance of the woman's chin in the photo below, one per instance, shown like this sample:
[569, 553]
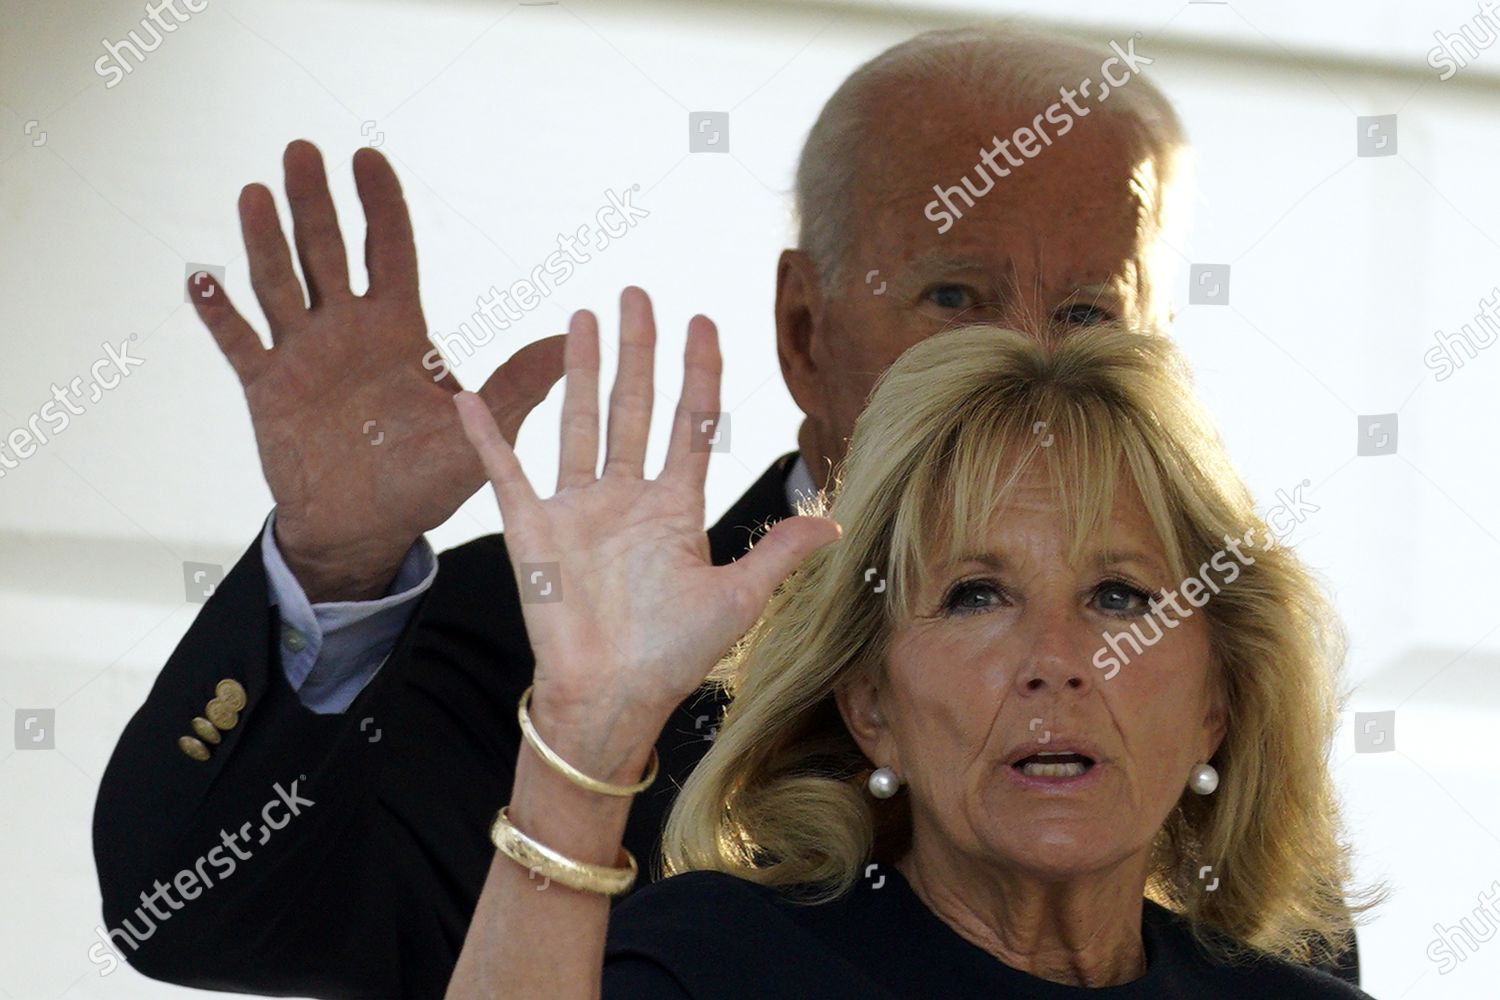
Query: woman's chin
[1057, 862]
[1053, 846]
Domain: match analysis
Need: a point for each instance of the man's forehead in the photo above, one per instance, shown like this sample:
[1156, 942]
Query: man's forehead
[1050, 191]
[1093, 235]
[1003, 259]
[915, 148]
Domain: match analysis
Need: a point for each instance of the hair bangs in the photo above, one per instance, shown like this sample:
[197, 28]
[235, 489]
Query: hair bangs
[1091, 446]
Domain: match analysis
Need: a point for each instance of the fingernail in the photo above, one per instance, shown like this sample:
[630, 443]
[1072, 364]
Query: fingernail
[202, 286]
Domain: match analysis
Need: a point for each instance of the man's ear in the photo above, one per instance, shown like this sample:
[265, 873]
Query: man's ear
[799, 315]
[859, 704]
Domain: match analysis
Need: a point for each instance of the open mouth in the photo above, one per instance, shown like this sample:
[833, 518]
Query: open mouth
[1054, 765]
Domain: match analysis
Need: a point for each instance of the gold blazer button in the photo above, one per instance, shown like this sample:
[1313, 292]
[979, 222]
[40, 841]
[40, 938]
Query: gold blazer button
[232, 693]
[205, 730]
[221, 715]
[193, 748]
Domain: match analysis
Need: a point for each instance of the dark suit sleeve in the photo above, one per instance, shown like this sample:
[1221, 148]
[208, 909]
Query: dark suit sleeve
[365, 890]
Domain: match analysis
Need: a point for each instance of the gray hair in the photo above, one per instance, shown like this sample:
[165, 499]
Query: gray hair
[1009, 63]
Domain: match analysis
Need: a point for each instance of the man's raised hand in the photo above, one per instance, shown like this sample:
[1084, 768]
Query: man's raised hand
[346, 371]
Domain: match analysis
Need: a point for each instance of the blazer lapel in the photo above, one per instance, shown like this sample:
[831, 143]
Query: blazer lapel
[752, 515]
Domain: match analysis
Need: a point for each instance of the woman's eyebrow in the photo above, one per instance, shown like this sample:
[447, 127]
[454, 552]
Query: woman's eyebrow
[990, 560]
[1105, 558]
[1101, 559]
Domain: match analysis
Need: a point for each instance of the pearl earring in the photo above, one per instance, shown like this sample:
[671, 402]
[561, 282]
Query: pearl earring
[1204, 779]
[883, 783]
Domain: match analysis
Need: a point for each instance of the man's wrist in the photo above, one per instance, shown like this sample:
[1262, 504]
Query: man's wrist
[360, 572]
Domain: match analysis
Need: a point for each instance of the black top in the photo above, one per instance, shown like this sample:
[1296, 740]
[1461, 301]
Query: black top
[707, 934]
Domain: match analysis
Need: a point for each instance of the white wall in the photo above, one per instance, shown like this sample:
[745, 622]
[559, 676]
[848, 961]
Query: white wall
[507, 123]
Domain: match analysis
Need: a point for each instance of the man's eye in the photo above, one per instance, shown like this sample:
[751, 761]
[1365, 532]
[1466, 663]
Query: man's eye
[1082, 314]
[952, 297]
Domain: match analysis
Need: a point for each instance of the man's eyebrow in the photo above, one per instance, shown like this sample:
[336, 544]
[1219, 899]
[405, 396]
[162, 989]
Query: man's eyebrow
[1095, 293]
[936, 262]
[943, 260]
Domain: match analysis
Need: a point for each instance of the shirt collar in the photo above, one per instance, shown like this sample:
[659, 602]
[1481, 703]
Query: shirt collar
[799, 483]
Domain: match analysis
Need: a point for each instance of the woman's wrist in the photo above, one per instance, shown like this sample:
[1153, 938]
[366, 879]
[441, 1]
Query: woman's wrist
[572, 820]
[606, 738]
[607, 741]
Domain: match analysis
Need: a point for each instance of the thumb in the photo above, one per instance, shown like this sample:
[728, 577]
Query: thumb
[517, 386]
[772, 559]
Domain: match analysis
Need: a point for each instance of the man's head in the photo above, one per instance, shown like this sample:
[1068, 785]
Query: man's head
[913, 218]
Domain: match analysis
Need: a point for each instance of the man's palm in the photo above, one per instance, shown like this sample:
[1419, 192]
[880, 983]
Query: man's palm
[357, 435]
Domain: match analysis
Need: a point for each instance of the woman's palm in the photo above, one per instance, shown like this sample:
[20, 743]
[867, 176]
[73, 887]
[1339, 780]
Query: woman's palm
[622, 604]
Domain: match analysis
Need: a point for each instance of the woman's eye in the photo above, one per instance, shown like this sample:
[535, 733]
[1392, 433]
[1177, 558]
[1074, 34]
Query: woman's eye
[952, 297]
[1081, 314]
[970, 596]
[1115, 597]
[1112, 597]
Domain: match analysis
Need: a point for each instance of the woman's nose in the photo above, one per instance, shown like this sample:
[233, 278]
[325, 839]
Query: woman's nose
[1056, 654]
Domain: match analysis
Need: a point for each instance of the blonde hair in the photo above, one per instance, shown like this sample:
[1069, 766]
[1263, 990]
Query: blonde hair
[779, 798]
[1003, 64]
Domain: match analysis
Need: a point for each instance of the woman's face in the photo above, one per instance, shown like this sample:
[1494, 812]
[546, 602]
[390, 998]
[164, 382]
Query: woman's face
[999, 664]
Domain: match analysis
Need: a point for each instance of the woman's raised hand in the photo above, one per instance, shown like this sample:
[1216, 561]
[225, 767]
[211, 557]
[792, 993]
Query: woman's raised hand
[636, 614]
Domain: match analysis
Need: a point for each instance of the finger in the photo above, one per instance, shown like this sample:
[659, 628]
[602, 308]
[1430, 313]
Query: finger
[271, 275]
[579, 458]
[241, 347]
[512, 488]
[517, 386]
[315, 227]
[773, 558]
[697, 422]
[390, 252]
[630, 399]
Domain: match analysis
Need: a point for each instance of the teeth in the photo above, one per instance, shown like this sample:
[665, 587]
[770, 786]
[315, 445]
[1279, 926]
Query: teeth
[1071, 770]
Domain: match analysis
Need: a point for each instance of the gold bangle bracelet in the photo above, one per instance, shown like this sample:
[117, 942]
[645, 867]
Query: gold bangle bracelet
[540, 859]
[572, 773]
